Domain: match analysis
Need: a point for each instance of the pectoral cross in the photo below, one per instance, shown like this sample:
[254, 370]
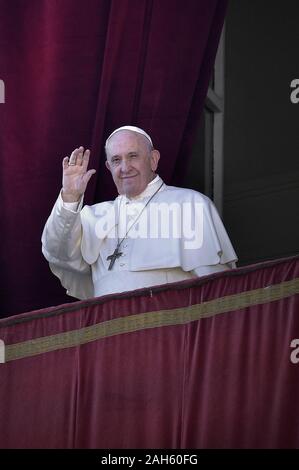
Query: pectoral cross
[116, 254]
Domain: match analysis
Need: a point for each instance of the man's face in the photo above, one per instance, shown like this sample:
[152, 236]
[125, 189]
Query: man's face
[131, 162]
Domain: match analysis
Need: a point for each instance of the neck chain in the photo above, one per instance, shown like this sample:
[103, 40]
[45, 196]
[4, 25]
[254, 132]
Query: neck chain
[116, 254]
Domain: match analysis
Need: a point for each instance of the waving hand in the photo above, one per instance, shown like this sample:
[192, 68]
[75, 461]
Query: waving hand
[75, 175]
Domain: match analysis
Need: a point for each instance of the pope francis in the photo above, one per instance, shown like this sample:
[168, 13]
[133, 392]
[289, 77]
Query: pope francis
[150, 234]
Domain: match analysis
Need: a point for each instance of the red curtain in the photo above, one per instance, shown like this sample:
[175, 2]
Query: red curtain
[73, 72]
[200, 364]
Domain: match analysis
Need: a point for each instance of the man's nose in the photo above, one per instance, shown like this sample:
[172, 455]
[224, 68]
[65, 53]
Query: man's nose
[125, 166]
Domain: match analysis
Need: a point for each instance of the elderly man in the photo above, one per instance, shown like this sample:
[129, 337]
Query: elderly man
[150, 234]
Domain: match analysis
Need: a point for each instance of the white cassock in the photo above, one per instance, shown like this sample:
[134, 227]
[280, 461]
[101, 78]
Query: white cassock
[178, 235]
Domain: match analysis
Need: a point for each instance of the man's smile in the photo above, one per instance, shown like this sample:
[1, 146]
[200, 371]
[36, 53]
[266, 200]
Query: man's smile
[127, 177]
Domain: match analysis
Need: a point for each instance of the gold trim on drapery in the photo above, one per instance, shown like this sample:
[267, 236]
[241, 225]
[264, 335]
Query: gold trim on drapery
[142, 321]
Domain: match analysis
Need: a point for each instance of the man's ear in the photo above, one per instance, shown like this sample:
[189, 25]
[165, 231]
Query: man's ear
[155, 157]
[107, 165]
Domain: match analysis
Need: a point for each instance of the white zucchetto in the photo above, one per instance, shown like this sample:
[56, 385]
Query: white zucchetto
[130, 128]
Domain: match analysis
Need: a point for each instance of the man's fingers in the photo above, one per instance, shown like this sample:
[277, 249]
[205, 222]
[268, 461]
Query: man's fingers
[74, 156]
[88, 175]
[85, 159]
[79, 157]
[65, 162]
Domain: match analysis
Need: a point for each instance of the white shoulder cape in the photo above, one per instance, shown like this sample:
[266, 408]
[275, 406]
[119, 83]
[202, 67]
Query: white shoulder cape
[159, 253]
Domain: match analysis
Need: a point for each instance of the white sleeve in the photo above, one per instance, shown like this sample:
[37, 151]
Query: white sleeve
[61, 246]
[72, 206]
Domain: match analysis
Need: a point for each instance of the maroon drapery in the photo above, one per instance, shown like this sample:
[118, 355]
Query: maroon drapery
[199, 364]
[73, 72]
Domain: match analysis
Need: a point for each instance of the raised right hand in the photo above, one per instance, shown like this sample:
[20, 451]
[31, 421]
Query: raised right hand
[75, 175]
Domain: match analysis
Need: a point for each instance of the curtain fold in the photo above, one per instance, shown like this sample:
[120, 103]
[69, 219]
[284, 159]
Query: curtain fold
[72, 74]
[204, 363]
